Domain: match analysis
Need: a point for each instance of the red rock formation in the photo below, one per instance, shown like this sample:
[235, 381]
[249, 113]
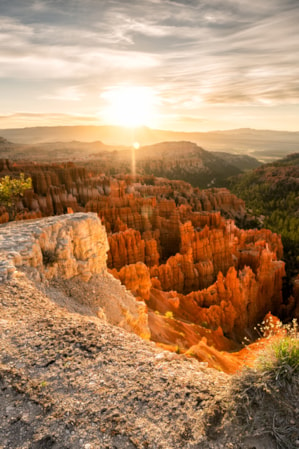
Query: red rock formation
[125, 248]
[236, 303]
[136, 278]
[136, 213]
[264, 238]
[217, 280]
[221, 199]
[209, 251]
[151, 253]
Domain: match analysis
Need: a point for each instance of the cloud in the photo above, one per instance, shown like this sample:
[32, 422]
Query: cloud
[16, 120]
[70, 93]
[191, 52]
[254, 60]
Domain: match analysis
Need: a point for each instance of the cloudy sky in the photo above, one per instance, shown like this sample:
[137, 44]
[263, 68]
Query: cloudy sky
[186, 65]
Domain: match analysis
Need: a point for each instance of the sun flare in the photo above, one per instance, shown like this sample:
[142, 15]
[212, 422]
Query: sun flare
[129, 106]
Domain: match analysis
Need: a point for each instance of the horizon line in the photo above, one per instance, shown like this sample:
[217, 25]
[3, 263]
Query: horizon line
[128, 128]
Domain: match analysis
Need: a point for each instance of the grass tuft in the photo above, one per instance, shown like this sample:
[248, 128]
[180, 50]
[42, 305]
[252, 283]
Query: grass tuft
[264, 400]
[281, 361]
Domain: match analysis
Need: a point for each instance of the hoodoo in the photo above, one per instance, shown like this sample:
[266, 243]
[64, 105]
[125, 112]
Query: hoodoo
[194, 276]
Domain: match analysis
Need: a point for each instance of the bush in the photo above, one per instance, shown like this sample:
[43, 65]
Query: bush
[12, 189]
[168, 314]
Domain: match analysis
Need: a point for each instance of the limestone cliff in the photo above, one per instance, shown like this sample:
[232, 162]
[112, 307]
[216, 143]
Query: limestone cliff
[70, 248]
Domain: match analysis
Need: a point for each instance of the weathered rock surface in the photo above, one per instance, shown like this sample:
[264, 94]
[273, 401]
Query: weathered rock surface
[64, 246]
[68, 247]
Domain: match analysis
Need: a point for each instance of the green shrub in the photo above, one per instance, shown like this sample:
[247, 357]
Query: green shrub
[11, 189]
[168, 314]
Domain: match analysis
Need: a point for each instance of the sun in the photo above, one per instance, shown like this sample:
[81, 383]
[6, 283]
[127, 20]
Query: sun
[129, 106]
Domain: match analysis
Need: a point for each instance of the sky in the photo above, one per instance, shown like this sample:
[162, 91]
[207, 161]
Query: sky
[196, 65]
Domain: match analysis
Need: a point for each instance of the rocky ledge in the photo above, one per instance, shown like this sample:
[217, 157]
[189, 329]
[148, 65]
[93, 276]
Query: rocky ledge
[63, 246]
[66, 255]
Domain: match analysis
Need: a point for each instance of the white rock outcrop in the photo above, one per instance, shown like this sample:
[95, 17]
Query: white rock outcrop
[71, 249]
[62, 246]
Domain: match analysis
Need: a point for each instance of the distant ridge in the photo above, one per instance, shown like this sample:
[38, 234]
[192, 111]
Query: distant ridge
[265, 145]
[185, 161]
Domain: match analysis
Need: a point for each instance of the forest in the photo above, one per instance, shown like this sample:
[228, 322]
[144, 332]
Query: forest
[271, 194]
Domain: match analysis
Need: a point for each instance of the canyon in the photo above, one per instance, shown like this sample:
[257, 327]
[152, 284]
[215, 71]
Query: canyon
[198, 284]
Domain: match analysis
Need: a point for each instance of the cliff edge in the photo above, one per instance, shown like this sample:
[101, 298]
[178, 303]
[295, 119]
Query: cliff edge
[66, 257]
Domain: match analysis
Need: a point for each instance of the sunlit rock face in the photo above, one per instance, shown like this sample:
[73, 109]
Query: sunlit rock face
[64, 246]
[136, 278]
[70, 248]
[200, 281]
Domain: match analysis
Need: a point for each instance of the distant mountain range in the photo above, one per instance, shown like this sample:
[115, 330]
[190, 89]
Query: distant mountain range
[264, 145]
[174, 160]
[189, 162]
